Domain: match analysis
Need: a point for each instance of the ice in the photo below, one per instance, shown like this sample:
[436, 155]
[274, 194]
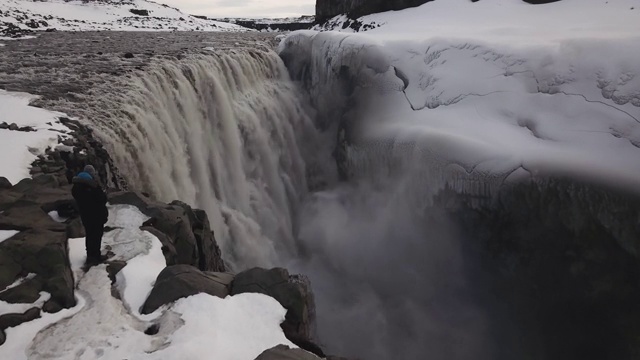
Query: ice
[24, 146]
[7, 234]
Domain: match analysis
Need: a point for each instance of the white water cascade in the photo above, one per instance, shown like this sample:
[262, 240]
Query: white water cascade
[222, 133]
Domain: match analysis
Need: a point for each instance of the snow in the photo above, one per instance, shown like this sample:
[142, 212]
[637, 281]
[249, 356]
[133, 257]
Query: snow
[8, 308]
[7, 234]
[245, 326]
[77, 15]
[56, 217]
[494, 88]
[102, 326]
[510, 21]
[24, 146]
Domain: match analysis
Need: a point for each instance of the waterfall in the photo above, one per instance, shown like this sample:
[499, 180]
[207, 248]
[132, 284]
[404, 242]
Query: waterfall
[223, 133]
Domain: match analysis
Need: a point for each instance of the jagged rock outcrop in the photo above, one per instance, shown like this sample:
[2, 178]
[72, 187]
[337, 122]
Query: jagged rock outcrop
[293, 292]
[188, 238]
[13, 320]
[40, 246]
[180, 281]
[326, 9]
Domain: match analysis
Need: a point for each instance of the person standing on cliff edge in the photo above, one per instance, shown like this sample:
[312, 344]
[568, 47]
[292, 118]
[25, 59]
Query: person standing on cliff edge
[92, 203]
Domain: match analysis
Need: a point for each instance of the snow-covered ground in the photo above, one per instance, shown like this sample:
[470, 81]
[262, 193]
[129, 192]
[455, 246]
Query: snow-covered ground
[77, 15]
[498, 87]
[101, 326]
[25, 146]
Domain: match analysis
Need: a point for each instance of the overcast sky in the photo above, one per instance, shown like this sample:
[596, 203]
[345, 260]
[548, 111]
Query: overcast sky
[244, 8]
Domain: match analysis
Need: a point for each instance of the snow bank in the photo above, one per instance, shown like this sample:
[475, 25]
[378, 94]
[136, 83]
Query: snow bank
[6, 234]
[235, 328]
[481, 91]
[79, 15]
[25, 146]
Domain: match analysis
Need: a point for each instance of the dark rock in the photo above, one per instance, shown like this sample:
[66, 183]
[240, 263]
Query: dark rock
[75, 229]
[168, 249]
[13, 127]
[26, 293]
[179, 281]
[3, 337]
[66, 208]
[94, 154]
[140, 12]
[152, 330]
[188, 231]
[51, 30]
[13, 320]
[5, 183]
[283, 352]
[28, 216]
[292, 292]
[44, 253]
[4, 125]
[128, 55]
[10, 269]
[326, 9]
[51, 307]
[46, 180]
[113, 268]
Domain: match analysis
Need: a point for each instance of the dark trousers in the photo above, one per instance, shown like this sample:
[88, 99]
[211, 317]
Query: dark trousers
[93, 240]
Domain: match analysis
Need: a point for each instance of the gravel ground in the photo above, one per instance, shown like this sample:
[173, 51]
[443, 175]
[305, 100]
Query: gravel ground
[60, 66]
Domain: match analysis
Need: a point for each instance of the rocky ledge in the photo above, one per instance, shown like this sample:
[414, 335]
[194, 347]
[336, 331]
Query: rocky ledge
[40, 215]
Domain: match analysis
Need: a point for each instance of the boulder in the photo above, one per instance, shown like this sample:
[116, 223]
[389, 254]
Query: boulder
[41, 252]
[188, 237]
[139, 12]
[326, 9]
[292, 292]
[180, 281]
[283, 352]
[13, 320]
[26, 293]
[29, 216]
[168, 249]
[5, 183]
[75, 229]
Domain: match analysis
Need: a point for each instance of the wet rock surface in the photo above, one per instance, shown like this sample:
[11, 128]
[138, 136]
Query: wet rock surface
[185, 232]
[293, 292]
[180, 281]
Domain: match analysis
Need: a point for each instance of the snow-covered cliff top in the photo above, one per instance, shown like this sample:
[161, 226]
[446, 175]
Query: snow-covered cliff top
[123, 15]
[501, 87]
[506, 20]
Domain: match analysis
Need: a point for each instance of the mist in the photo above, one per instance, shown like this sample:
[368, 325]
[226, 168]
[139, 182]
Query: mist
[390, 275]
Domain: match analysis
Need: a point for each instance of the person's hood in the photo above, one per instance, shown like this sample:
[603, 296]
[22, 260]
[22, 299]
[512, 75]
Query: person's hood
[85, 178]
